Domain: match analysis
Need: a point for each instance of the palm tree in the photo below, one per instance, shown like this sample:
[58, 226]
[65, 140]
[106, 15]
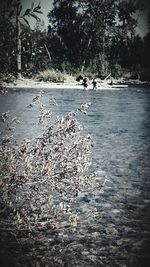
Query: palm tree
[30, 12]
[15, 11]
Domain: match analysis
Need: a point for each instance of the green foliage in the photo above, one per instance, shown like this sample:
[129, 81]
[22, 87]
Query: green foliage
[88, 73]
[7, 46]
[145, 75]
[7, 77]
[146, 51]
[15, 17]
[34, 54]
[82, 28]
[117, 71]
[83, 36]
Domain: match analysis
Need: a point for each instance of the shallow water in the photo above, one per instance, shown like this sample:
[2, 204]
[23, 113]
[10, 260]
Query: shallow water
[116, 231]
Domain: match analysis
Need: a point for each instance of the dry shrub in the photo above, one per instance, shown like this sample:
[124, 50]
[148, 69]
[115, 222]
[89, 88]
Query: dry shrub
[51, 75]
[69, 78]
[42, 177]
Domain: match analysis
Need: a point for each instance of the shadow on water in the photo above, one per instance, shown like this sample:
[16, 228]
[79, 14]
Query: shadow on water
[116, 230]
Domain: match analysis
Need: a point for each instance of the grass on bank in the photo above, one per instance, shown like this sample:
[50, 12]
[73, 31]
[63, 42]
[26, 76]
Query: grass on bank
[53, 75]
[117, 72]
[56, 76]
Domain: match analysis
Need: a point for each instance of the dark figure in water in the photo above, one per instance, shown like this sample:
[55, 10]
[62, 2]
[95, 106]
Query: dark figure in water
[85, 83]
[94, 82]
[79, 78]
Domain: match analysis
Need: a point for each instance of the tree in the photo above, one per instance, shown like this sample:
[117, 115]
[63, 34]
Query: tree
[7, 41]
[147, 46]
[7, 44]
[63, 31]
[34, 53]
[126, 29]
[14, 12]
[83, 29]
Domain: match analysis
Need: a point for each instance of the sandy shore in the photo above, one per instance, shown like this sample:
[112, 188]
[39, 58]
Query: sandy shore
[33, 84]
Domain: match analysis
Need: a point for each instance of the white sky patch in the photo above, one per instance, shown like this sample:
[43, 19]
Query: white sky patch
[46, 6]
[142, 28]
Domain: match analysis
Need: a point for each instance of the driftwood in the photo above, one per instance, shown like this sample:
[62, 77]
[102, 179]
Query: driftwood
[107, 77]
[49, 55]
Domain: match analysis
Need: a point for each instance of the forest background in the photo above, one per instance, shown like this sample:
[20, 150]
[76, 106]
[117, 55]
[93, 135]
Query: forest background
[92, 37]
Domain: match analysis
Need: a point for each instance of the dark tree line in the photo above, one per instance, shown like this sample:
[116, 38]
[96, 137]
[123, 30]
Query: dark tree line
[96, 35]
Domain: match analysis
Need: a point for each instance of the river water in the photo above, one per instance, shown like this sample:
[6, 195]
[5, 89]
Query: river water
[119, 121]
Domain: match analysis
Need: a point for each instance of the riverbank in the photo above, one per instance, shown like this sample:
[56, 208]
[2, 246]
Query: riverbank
[34, 83]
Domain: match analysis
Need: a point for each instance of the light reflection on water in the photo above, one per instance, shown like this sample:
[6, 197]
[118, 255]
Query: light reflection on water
[119, 121]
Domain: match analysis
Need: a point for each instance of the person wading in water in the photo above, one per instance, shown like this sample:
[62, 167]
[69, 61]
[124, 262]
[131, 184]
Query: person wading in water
[94, 82]
[85, 83]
